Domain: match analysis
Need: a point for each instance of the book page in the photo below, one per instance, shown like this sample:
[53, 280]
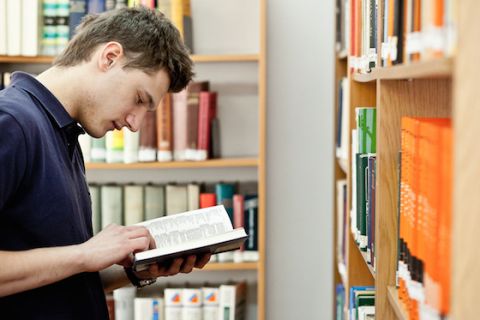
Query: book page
[189, 226]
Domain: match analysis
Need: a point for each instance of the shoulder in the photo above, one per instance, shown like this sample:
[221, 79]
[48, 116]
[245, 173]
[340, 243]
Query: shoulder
[17, 106]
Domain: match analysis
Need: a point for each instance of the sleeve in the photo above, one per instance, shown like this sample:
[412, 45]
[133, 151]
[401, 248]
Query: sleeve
[13, 157]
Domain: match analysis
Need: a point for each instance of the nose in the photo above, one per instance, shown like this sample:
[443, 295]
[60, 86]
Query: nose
[134, 119]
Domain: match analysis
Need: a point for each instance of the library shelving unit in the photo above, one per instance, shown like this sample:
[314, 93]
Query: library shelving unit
[445, 87]
[258, 162]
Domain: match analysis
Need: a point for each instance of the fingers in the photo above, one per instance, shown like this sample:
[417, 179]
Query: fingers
[139, 244]
[188, 264]
[200, 263]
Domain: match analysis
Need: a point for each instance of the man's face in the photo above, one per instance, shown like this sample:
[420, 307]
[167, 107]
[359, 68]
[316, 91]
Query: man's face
[121, 98]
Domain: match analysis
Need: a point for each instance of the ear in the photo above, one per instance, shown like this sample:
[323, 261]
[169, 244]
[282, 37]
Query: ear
[110, 55]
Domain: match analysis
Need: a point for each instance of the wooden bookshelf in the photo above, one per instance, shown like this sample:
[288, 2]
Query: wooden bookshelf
[440, 87]
[214, 163]
[257, 58]
[195, 58]
[397, 306]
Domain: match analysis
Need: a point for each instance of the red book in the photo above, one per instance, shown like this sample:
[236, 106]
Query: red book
[207, 111]
[208, 200]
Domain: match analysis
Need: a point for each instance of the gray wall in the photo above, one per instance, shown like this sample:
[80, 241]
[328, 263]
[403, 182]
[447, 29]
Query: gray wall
[300, 159]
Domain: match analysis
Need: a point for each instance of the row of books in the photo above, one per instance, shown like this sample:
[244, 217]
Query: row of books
[362, 215]
[343, 122]
[132, 203]
[412, 30]
[425, 215]
[185, 127]
[4, 79]
[44, 27]
[362, 303]
[226, 301]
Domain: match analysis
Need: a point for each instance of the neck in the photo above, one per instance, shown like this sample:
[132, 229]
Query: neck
[65, 84]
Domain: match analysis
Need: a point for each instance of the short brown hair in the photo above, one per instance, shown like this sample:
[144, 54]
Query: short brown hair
[150, 42]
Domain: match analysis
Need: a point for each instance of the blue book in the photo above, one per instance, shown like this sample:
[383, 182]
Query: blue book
[78, 9]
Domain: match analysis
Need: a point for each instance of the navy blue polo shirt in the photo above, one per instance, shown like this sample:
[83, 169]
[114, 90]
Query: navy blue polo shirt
[44, 199]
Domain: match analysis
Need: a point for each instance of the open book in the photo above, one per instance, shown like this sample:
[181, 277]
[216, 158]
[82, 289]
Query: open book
[194, 232]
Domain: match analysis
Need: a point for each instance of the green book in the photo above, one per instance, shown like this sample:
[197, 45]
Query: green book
[362, 165]
[366, 129]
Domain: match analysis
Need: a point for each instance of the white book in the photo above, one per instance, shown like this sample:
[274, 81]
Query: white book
[173, 303]
[3, 27]
[31, 26]
[192, 301]
[133, 204]
[193, 201]
[85, 142]
[195, 232]
[232, 301]
[211, 297]
[96, 202]
[176, 199]
[131, 142]
[124, 303]
[14, 27]
[148, 308]
[111, 208]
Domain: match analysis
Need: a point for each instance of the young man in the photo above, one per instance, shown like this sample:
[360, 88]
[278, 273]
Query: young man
[118, 66]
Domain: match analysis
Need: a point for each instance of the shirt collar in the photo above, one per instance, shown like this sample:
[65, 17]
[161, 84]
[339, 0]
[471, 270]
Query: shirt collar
[52, 106]
[49, 102]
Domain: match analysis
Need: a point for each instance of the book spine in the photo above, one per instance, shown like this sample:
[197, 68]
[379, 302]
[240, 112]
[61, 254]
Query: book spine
[176, 199]
[96, 208]
[207, 109]
[85, 142]
[99, 150]
[148, 138]
[114, 144]
[164, 132]
[131, 145]
[3, 27]
[62, 25]
[133, 204]
[95, 6]
[31, 10]
[193, 191]
[78, 9]
[251, 227]
[154, 201]
[180, 125]
[14, 25]
[111, 209]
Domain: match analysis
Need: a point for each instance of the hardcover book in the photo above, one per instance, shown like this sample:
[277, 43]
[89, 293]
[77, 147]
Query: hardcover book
[201, 231]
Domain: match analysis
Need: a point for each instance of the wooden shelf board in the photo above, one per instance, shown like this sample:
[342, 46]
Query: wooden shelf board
[225, 266]
[365, 77]
[397, 306]
[364, 255]
[214, 163]
[435, 68]
[25, 59]
[343, 164]
[195, 58]
[342, 55]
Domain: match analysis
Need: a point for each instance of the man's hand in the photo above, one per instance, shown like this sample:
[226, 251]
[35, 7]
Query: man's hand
[115, 245]
[179, 265]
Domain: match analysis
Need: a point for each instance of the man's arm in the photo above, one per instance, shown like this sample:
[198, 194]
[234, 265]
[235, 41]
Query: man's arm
[25, 270]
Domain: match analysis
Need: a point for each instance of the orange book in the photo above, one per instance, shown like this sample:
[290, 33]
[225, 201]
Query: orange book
[445, 218]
